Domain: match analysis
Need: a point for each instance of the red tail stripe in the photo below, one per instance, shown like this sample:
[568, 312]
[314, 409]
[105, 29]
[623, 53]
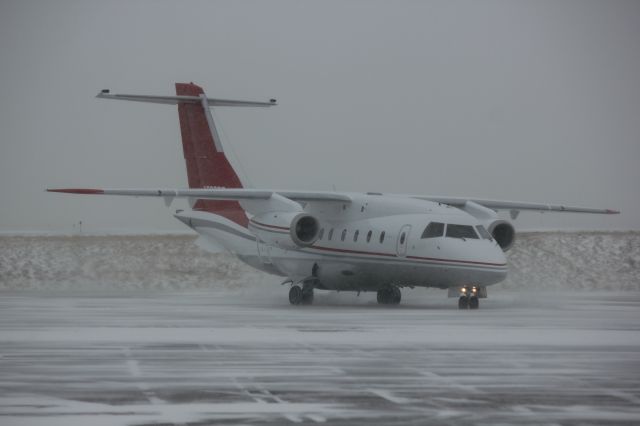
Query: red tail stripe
[206, 166]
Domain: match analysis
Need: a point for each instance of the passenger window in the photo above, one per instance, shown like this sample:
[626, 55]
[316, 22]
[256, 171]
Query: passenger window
[369, 235]
[433, 230]
[355, 235]
[461, 231]
[321, 233]
[484, 233]
[382, 237]
[330, 234]
[402, 237]
[344, 234]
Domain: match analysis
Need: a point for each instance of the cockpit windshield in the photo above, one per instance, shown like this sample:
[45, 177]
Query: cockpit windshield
[433, 230]
[484, 233]
[461, 231]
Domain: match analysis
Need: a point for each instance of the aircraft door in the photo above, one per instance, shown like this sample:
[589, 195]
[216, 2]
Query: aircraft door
[403, 240]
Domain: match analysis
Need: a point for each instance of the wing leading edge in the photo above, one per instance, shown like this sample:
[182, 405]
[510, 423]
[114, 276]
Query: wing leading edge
[212, 194]
[307, 196]
[514, 205]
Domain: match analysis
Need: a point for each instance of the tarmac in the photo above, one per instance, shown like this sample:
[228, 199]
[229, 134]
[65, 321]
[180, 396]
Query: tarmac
[210, 357]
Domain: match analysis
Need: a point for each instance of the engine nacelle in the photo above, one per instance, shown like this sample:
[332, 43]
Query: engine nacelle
[286, 229]
[503, 232]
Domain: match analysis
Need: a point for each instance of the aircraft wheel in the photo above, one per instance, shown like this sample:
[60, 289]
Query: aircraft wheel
[389, 296]
[383, 296]
[474, 302]
[463, 302]
[397, 295]
[307, 296]
[295, 295]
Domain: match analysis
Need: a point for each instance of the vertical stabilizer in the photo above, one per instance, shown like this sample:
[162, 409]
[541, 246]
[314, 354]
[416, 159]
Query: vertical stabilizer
[207, 165]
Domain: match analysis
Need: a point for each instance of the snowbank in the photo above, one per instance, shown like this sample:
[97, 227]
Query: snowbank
[561, 261]
[564, 261]
[118, 262]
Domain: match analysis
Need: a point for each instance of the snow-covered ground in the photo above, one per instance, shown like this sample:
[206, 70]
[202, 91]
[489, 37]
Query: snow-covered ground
[152, 330]
[201, 357]
[553, 261]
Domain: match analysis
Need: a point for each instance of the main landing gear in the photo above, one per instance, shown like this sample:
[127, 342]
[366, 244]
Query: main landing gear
[469, 298]
[389, 296]
[300, 296]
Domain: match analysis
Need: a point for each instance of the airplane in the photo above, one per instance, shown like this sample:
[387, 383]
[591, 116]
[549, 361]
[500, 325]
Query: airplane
[331, 240]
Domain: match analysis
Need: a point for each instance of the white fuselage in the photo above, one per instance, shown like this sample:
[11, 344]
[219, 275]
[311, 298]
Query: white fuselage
[372, 242]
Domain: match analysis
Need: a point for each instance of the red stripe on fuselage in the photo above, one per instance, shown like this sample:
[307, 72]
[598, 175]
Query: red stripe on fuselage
[337, 250]
[472, 262]
[269, 226]
[431, 259]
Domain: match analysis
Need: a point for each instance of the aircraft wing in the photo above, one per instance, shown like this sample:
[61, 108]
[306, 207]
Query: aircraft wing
[513, 205]
[239, 194]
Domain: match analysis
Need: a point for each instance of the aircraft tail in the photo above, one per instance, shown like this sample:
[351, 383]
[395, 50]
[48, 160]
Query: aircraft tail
[207, 164]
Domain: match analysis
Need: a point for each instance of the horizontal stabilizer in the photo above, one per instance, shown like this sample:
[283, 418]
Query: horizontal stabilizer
[175, 100]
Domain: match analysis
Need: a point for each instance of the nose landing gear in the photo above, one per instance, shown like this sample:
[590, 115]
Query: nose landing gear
[469, 298]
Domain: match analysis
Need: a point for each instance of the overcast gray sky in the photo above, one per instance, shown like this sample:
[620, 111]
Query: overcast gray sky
[529, 100]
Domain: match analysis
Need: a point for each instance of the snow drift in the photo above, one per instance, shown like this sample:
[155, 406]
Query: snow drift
[560, 261]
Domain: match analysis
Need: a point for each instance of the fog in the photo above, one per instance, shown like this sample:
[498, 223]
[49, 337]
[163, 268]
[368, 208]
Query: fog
[529, 101]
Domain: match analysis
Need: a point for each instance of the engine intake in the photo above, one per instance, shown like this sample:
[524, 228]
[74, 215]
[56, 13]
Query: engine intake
[288, 230]
[304, 230]
[504, 233]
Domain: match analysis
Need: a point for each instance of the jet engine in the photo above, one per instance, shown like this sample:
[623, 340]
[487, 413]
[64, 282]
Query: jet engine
[286, 229]
[503, 232]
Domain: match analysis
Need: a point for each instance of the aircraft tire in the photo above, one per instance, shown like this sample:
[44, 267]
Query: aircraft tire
[295, 295]
[384, 296]
[463, 302]
[396, 295]
[389, 296]
[474, 302]
[307, 297]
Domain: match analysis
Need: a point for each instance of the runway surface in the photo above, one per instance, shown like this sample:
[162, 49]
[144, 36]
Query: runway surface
[212, 358]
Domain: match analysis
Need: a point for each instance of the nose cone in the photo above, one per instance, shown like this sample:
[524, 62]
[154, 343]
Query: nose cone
[492, 262]
[484, 252]
[499, 255]
[500, 259]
